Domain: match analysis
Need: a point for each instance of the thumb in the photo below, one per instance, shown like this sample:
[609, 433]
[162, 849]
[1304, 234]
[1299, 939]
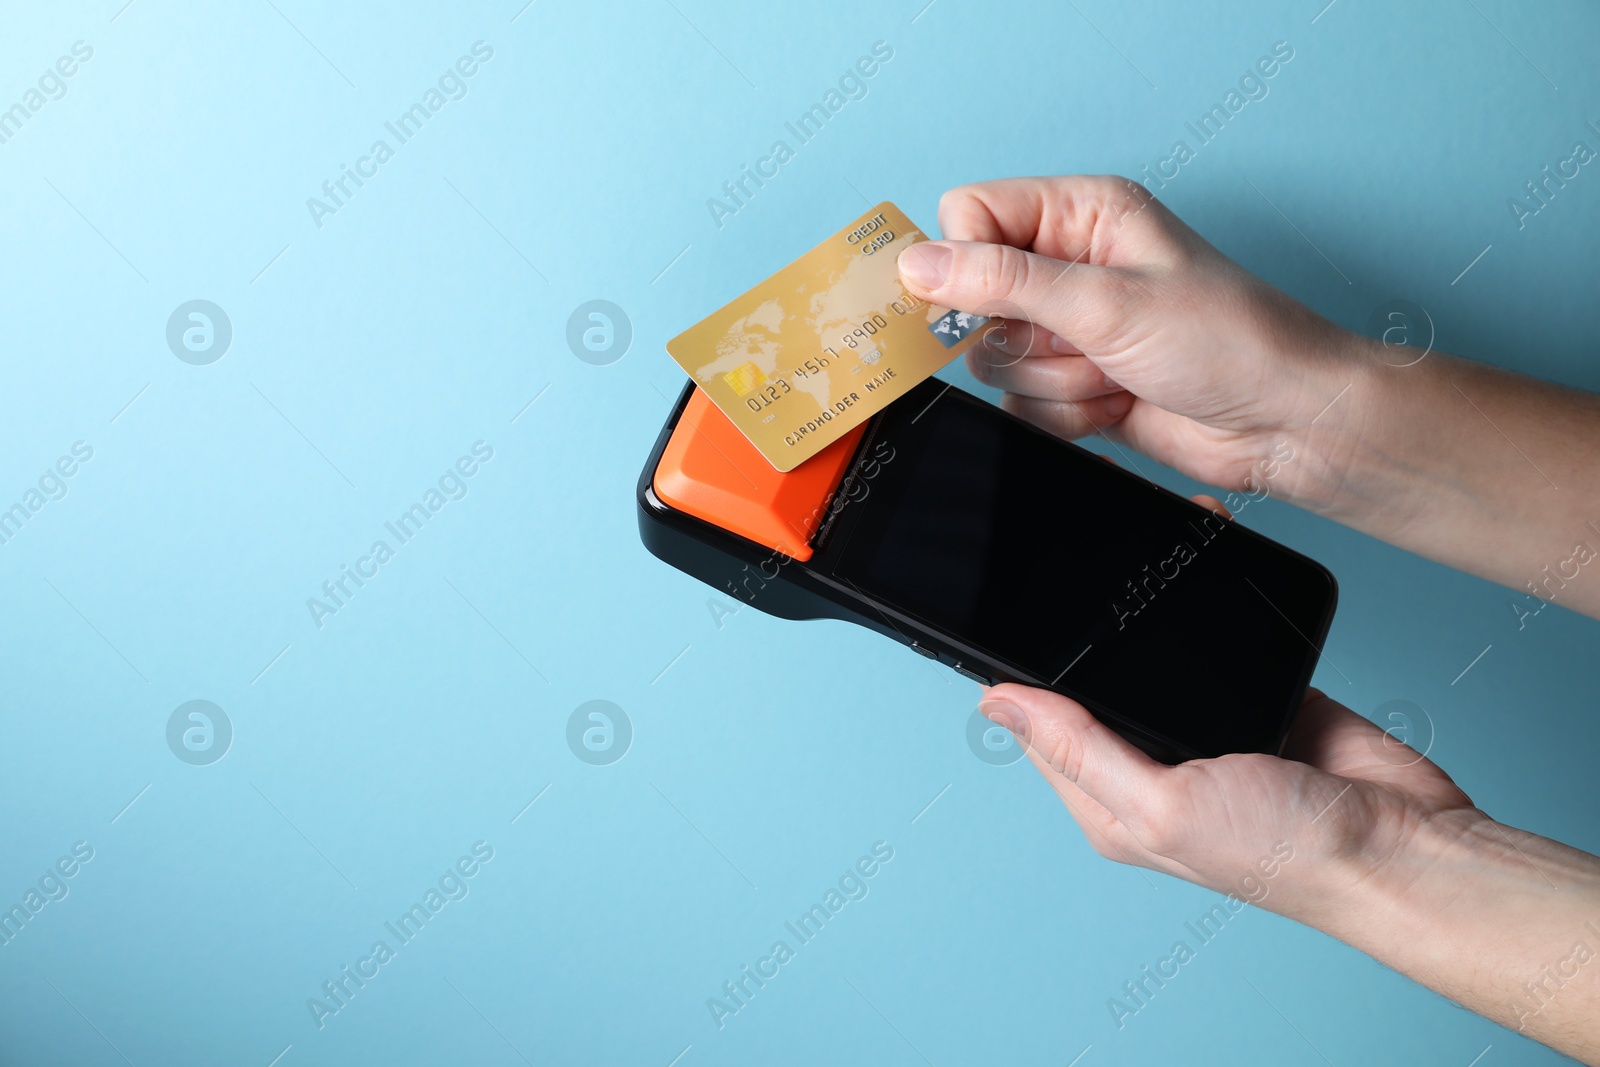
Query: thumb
[1077, 746]
[1086, 305]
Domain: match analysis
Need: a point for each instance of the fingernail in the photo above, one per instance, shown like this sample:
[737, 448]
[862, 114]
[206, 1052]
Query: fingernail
[1005, 714]
[1061, 346]
[926, 264]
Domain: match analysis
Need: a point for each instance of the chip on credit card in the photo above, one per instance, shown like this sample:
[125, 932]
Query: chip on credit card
[824, 344]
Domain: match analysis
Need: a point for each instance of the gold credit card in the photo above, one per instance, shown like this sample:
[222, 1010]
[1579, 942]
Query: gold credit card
[824, 344]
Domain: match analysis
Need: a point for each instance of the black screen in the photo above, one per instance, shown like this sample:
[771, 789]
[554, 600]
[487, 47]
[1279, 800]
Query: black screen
[1087, 578]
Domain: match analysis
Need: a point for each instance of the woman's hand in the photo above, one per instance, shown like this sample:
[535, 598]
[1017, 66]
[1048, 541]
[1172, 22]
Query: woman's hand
[1123, 321]
[1345, 801]
[1353, 833]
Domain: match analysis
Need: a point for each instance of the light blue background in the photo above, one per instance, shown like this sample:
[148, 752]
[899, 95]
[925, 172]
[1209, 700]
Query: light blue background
[767, 756]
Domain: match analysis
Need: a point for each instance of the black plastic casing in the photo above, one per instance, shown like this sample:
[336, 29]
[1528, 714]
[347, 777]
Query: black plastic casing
[779, 585]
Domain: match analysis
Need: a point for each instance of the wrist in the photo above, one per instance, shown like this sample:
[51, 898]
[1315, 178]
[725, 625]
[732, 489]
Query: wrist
[1500, 920]
[1350, 433]
[1389, 890]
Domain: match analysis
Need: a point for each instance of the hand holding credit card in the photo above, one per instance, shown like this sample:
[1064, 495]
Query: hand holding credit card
[824, 344]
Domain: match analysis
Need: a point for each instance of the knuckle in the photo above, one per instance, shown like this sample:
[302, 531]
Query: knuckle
[1070, 757]
[1133, 193]
[1129, 211]
[1073, 746]
[1064, 757]
[953, 205]
[1110, 186]
[1003, 272]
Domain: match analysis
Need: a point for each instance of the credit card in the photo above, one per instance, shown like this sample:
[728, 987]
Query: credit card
[824, 344]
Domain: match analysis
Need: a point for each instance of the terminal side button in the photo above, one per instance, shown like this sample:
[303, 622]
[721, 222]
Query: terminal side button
[965, 673]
